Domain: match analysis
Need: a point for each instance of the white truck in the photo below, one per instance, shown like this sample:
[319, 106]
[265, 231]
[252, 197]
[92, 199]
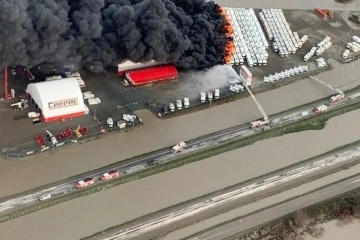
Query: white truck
[346, 53]
[179, 104]
[171, 107]
[202, 97]
[110, 122]
[178, 147]
[186, 102]
[337, 98]
[210, 96]
[217, 93]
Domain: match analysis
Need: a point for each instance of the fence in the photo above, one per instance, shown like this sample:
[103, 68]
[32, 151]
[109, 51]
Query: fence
[93, 132]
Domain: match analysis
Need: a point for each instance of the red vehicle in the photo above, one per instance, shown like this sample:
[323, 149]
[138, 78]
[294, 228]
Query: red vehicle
[109, 175]
[83, 131]
[84, 183]
[67, 133]
[60, 136]
[40, 140]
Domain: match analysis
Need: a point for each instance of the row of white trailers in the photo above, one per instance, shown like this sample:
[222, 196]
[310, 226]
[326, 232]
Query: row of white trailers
[250, 41]
[320, 48]
[285, 41]
[287, 73]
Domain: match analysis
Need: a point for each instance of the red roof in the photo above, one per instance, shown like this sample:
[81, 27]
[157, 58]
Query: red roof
[152, 74]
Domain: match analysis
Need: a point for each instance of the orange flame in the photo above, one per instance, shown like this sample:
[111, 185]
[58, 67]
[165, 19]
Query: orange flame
[229, 48]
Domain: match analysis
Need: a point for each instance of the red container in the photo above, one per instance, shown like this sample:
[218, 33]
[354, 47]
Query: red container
[151, 75]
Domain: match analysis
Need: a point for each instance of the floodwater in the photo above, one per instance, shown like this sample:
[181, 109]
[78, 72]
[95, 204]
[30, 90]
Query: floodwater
[39, 170]
[74, 219]
[334, 232]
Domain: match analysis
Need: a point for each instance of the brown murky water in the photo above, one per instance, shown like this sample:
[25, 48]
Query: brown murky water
[84, 216]
[43, 169]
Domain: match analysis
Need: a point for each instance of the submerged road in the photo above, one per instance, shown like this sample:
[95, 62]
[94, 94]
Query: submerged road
[140, 163]
[262, 217]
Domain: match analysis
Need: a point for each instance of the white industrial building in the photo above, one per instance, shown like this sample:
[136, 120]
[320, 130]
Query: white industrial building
[58, 99]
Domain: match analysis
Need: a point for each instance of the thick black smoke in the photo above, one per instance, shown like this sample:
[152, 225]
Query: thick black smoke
[96, 33]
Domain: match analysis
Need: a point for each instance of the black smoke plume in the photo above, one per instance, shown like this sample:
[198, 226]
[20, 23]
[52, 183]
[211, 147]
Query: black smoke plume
[96, 33]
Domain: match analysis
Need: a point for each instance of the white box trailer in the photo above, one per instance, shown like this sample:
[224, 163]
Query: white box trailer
[202, 97]
[217, 93]
[186, 102]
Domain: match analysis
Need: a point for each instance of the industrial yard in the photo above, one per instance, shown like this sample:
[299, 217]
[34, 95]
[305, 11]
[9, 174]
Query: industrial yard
[116, 98]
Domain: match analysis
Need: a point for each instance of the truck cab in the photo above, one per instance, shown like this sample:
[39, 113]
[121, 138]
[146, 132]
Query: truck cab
[109, 175]
[171, 107]
[179, 104]
[84, 183]
[178, 147]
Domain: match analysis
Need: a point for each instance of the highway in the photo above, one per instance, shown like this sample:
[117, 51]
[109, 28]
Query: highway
[139, 163]
[235, 195]
[264, 216]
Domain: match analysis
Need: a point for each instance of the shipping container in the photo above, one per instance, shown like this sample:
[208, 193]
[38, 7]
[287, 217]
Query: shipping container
[146, 76]
[129, 65]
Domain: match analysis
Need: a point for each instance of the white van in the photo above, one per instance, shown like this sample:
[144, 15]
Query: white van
[217, 93]
[186, 102]
[346, 53]
[203, 97]
[179, 104]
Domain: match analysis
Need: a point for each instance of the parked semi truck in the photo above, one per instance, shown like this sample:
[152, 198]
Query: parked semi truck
[178, 147]
[337, 98]
[109, 175]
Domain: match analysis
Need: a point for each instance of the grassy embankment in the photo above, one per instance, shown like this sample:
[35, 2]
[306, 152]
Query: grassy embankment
[345, 209]
[312, 123]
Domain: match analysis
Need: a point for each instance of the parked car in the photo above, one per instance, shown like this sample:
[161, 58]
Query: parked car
[153, 162]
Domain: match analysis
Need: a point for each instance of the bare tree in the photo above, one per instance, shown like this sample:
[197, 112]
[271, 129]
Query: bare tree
[301, 219]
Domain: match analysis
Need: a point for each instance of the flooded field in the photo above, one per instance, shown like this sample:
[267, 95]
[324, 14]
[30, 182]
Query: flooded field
[126, 202]
[333, 232]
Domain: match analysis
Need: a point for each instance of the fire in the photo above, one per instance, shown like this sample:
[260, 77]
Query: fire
[228, 31]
